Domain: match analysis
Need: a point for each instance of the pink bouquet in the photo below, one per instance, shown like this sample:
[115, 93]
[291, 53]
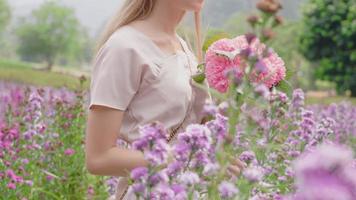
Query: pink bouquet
[239, 54]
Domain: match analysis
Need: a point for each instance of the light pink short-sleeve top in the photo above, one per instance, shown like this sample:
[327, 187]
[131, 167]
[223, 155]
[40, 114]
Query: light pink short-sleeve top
[131, 73]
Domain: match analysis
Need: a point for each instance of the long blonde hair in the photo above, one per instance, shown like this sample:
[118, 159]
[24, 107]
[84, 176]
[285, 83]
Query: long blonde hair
[139, 9]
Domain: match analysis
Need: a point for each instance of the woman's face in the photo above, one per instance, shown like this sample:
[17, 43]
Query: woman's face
[188, 5]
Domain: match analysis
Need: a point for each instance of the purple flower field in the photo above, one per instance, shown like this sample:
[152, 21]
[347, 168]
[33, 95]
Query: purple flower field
[258, 136]
[42, 156]
[301, 152]
[42, 144]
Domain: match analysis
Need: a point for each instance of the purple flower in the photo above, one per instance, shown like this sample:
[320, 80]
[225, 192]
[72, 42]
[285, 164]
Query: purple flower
[158, 154]
[164, 192]
[189, 178]
[173, 168]
[140, 144]
[211, 169]
[149, 134]
[227, 190]
[138, 188]
[262, 90]
[157, 178]
[197, 136]
[201, 158]
[179, 191]
[218, 127]
[69, 152]
[153, 143]
[298, 99]
[182, 151]
[139, 173]
[283, 97]
[210, 109]
[325, 156]
[247, 156]
[324, 173]
[253, 174]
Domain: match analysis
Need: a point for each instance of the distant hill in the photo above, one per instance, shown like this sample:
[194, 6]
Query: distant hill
[93, 13]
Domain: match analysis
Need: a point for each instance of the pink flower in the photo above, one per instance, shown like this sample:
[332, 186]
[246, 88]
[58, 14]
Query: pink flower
[69, 152]
[224, 56]
[49, 177]
[273, 73]
[217, 64]
[11, 186]
[270, 68]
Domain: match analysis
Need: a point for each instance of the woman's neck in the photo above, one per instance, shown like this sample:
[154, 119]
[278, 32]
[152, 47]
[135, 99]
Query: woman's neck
[165, 17]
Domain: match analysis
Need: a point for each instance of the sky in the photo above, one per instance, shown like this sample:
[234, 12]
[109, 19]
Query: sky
[92, 14]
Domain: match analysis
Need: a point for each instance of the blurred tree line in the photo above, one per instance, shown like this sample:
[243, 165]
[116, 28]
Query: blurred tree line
[284, 38]
[329, 39]
[5, 15]
[321, 46]
[319, 50]
[51, 35]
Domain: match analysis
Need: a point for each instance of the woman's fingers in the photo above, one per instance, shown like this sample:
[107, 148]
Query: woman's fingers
[234, 169]
[239, 163]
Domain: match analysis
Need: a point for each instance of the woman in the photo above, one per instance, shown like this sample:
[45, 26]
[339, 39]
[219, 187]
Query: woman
[142, 73]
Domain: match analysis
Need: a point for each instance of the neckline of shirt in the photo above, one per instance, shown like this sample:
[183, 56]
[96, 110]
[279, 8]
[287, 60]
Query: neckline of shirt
[156, 47]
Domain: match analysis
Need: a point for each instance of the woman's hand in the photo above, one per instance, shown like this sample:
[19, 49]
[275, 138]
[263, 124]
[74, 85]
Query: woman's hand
[235, 167]
[205, 119]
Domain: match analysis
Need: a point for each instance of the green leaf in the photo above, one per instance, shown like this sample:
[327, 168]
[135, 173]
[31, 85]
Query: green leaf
[199, 78]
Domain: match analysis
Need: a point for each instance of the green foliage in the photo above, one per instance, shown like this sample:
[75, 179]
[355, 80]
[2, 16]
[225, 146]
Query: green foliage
[212, 36]
[329, 38]
[300, 71]
[50, 32]
[330, 100]
[24, 73]
[5, 15]
[217, 12]
[237, 24]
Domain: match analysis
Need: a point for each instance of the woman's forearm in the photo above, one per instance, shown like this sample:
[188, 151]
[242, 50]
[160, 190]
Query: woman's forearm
[116, 162]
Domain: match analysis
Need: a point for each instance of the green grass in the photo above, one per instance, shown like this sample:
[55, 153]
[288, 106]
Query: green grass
[329, 100]
[25, 73]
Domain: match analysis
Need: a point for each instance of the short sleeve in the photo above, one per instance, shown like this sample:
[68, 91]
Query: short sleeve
[116, 75]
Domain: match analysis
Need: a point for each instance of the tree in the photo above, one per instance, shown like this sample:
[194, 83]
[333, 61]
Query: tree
[51, 31]
[5, 15]
[329, 38]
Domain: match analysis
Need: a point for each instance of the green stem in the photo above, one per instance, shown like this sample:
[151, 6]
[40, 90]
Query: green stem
[232, 110]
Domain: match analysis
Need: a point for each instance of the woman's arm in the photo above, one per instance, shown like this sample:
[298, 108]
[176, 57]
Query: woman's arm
[102, 155]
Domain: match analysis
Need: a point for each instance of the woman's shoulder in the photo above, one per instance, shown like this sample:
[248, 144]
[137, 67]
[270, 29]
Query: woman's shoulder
[121, 39]
[124, 40]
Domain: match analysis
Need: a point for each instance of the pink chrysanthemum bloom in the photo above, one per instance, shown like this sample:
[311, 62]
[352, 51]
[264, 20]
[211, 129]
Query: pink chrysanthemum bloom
[220, 57]
[274, 70]
[223, 55]
[257, 47]
[69, 152]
